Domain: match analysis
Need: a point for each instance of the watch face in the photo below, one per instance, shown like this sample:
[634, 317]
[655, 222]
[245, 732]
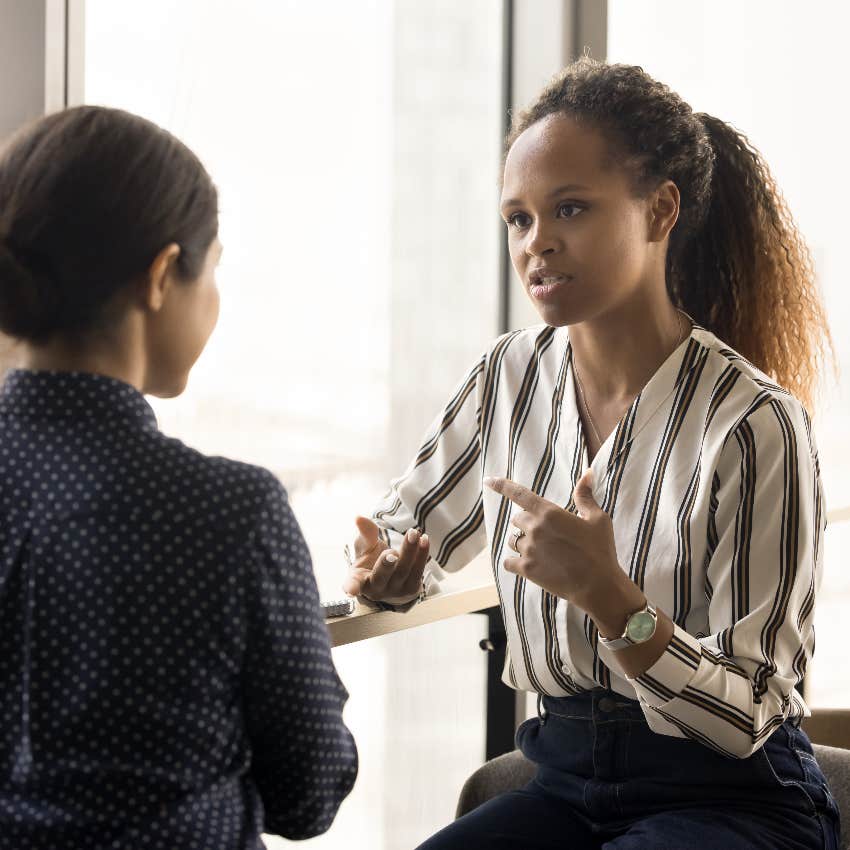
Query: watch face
[641, 626]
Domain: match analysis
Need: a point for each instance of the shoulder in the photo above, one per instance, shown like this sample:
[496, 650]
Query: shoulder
[724, 357]
[226, 491]
[743, 397]
[515, 348]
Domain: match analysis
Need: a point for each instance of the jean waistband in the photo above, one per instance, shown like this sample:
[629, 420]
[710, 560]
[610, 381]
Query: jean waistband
[599, 704]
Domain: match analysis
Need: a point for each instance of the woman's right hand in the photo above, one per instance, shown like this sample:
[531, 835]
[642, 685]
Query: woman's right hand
[382, 574]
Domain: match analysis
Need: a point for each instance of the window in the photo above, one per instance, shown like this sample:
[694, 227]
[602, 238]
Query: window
[771, 69]
[356, 148]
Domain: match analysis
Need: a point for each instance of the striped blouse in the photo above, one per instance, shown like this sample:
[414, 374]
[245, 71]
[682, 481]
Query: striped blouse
[712, 482]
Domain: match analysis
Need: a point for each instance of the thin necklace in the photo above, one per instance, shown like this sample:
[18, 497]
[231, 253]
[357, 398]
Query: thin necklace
[679, 340]
[584, 404]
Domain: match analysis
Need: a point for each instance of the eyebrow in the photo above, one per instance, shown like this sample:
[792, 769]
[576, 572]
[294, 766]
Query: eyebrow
[570, 187]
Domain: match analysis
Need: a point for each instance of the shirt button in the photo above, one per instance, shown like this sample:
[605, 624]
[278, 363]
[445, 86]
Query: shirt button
[606, 704]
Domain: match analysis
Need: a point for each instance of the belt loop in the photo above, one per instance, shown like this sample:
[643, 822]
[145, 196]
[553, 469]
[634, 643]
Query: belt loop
[541, 711]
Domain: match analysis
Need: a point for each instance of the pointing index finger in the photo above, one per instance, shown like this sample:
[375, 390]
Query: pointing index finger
[520, 495]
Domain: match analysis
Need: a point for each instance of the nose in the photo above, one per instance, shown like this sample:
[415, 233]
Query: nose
[542, 240]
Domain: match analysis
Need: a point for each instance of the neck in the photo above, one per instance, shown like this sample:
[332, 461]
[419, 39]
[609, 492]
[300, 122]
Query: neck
[114, 355]
[616, 354]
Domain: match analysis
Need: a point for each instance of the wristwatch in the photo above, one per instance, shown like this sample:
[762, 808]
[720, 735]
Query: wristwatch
[640, 627]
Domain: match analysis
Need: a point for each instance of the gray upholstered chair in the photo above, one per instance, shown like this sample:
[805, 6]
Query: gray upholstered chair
[513, 770]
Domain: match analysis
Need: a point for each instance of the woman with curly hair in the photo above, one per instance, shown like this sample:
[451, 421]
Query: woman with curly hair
[642, 469]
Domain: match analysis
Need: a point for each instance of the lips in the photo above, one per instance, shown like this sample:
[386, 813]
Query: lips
[546, 284]
[547, 277]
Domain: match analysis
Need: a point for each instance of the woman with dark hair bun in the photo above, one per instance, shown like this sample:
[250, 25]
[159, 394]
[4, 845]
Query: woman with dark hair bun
[166, 679]
[642, 470]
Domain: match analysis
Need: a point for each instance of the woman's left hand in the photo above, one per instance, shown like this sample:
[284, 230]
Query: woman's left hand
[572, 556]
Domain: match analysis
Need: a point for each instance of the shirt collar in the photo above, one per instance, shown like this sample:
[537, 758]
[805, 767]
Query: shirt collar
[73, 395]
[668, 378]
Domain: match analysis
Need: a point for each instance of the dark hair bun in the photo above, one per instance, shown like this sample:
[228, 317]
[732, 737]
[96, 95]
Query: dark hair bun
[88, 197]
[27, 300]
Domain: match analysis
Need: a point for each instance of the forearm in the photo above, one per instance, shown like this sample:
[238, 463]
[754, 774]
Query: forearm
[688, 691]
[609, 610]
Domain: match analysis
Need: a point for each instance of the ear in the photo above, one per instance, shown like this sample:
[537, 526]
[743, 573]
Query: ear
[663, 211]
[159, 277]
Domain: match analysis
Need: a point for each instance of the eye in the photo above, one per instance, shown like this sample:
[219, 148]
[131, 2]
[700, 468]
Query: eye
[569, 210]
[518, 220]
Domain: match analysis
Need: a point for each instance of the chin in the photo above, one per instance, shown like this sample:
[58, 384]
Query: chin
[555, 317]
[169, 389]
[561, 313]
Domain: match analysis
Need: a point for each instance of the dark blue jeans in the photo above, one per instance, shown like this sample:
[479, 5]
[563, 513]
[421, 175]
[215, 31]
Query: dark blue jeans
[606, 780]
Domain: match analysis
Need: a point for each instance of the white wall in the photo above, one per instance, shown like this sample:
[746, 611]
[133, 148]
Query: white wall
[22, 65]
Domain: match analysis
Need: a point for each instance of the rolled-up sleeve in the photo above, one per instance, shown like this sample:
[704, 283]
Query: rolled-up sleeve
[730, 689]
[304, 759]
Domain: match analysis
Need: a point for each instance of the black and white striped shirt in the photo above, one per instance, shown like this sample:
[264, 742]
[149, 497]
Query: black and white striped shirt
[712, 482]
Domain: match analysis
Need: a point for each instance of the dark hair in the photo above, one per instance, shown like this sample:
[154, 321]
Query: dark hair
[735, 260]
[88, 197]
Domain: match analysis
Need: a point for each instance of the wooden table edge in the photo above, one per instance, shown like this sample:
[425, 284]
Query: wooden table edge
[367, 622]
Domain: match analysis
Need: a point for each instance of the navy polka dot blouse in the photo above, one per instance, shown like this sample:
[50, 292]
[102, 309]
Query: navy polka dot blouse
[166, 679]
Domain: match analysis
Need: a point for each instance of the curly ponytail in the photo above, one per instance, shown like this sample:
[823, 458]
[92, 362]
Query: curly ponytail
[747, 274]
[736, 261]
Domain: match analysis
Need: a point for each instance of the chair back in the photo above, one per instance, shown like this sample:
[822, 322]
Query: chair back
[835, 764]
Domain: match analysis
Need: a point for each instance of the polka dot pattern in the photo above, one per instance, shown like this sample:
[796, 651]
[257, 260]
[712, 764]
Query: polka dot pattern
[166, 679]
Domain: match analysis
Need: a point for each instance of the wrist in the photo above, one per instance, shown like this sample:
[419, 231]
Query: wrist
[388, 600]
[398, 600]
[611, 608]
